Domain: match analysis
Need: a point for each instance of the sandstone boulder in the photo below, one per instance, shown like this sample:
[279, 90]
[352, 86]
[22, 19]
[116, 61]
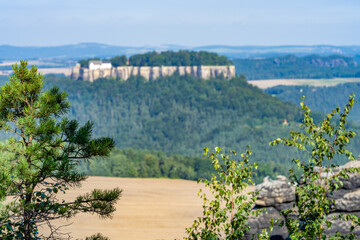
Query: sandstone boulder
[341, 226]
[274, 192]
[278, 195]
[350, 202]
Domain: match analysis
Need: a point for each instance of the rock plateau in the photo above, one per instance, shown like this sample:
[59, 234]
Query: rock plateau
[125, 72]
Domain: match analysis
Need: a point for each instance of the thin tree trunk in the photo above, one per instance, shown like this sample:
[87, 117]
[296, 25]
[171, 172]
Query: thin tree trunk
[27, 217]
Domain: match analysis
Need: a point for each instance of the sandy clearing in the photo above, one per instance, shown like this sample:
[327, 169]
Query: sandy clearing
[50, 69]
[65, 71]
[31, 62]
[263, 84]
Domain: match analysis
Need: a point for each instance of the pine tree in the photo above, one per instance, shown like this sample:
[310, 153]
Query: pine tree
[40, 158]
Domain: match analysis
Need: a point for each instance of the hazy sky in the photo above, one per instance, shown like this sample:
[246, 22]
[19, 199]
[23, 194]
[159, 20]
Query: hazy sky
[183, 22]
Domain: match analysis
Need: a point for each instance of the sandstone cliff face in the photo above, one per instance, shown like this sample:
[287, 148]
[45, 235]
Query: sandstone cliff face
[277, 195]
[125, 72]
[75, 72]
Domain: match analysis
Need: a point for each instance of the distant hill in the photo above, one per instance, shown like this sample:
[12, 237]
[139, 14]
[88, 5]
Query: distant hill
[181, 115]
[291, 66]
[275, 51]
[75, 51]
[175, 114]
[90, 50]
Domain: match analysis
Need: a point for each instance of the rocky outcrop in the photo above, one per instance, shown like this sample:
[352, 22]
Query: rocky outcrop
[275, 192]
[125, 72]
[335, 62]
[277, 195]
[274, 196]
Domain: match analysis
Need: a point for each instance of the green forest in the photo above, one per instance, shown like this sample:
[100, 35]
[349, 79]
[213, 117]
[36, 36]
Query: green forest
[323, 99]
[171, 119]
[161, 127]
[167, 58]
[290, 66]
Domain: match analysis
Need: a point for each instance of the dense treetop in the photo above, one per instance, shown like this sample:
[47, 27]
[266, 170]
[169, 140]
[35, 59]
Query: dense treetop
[181, 58]
[168, 58]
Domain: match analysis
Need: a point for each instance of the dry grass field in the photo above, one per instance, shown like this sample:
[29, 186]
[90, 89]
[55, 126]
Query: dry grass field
[65, 71]
[52, 68]
[148, 209]
[296, 82]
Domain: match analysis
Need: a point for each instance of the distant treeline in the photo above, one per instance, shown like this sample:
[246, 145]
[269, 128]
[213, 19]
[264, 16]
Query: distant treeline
[168, 58]
[157, 164]
[149, 164]
[313, 66]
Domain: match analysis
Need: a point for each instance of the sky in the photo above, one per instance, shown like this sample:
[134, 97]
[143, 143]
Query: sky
[182, 22]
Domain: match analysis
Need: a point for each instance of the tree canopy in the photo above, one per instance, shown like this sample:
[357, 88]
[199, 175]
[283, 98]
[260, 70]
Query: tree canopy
[180, 58]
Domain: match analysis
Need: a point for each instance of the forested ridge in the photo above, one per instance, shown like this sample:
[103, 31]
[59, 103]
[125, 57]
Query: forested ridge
[290, 66]
[167, 113]
[179, 115]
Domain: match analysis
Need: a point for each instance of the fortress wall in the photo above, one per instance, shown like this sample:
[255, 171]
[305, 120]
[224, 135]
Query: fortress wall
[125, 72]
